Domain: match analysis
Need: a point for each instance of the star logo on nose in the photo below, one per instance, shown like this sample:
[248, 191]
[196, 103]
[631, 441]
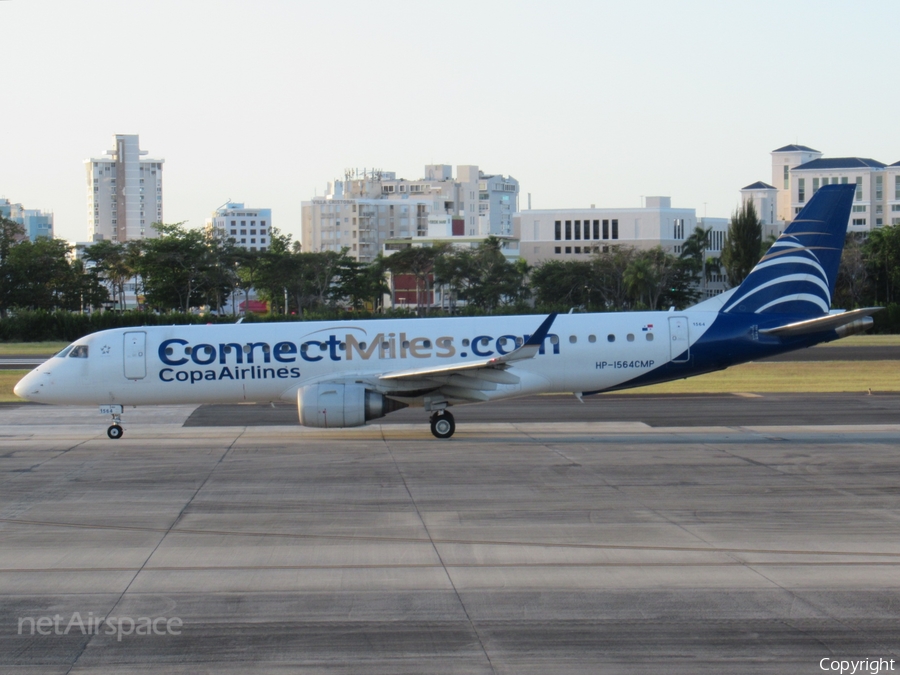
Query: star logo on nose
[105, 349]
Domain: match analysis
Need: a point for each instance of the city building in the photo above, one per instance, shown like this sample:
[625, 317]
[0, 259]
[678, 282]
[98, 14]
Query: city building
[124, 192]
[35, 222]
[576, 234]
[247, 228]
[765, 200]
[369, 207]
[798, 172]
[560, 234]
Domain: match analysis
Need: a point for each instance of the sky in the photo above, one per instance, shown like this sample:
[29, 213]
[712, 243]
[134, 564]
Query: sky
[583, 102]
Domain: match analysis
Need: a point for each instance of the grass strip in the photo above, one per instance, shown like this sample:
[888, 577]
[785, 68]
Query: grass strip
[30, 348]
[800, 376]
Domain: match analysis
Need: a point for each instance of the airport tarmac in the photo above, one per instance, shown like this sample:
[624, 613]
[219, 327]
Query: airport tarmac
[515, 547]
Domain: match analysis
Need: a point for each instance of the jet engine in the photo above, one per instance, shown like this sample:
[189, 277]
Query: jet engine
[331, 405]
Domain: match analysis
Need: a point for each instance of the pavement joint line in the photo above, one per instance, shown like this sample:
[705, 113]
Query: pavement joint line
[155, 548]
[461, 565]
[466, 542]
[439, 557]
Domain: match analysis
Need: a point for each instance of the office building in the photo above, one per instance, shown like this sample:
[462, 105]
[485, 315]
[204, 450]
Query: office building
[799, 171]
[245, 227]
[124, 190]
[577, 234]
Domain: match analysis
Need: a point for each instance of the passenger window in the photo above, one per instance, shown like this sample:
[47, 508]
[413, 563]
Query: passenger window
[611, 337]
[79, 352]
[554, 340]
[630, 337]
[592, 338]
[649, 337]
[573, 339]
[485, 342]
[64, 352]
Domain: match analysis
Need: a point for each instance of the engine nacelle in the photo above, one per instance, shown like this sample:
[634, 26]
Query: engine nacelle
[331, 405]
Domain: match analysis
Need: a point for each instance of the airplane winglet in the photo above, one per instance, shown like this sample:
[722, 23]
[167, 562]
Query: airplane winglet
[533, 343]
[528, 350]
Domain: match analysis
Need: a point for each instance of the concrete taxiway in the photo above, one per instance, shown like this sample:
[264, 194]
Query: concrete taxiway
[515, 547]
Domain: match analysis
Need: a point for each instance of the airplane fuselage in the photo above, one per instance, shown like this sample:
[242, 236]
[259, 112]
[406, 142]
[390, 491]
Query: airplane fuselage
[270, 361]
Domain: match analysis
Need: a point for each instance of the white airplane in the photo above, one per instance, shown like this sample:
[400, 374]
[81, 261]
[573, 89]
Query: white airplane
[345, 373]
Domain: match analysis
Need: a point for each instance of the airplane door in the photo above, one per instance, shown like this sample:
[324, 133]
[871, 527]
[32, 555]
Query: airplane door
[135, 351]
[680, 345]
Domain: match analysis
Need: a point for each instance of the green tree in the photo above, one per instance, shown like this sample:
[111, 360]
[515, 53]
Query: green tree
[610, 290]
[743, 240]
[111, 261]
[559, 285]
[11, 233]
[360, 284]
[484, 278]
[853, 282]
[46, 279]
[655, 277]
[882, 249]
[173, 267]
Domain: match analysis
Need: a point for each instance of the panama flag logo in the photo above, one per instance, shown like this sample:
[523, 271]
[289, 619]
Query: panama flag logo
[649, 326]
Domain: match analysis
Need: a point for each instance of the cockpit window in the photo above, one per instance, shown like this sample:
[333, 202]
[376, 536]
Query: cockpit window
[64, 352]
[79, 352]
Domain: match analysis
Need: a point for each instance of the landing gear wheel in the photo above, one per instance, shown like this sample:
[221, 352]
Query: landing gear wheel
[442, 424]
[115, 432]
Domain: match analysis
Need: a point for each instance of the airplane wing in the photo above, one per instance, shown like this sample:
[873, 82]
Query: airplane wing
[822, 323]
[468, 379]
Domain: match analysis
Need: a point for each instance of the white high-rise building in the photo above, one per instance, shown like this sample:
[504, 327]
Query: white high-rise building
[124, 192]
[363, 211]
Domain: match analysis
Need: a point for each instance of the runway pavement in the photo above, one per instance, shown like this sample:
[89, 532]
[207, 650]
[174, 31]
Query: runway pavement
[657, 410]
[515, 547]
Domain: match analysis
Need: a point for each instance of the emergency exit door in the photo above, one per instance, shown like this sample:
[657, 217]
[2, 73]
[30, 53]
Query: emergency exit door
[679, 342]
[135, 355]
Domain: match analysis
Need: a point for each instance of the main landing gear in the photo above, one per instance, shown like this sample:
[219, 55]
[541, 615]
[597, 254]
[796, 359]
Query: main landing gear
[442, 424]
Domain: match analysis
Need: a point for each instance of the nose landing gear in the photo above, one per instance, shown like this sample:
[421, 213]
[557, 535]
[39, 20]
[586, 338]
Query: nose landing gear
[115, 430]
[442, 424]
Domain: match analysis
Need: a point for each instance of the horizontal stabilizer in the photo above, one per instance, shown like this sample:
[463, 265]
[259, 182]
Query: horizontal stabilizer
[820, 324]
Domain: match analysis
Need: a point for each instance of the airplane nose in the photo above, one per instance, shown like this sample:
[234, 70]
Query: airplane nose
[23, 385]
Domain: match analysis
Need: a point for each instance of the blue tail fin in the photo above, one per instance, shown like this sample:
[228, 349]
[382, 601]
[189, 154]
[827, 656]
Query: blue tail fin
[797, 275]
